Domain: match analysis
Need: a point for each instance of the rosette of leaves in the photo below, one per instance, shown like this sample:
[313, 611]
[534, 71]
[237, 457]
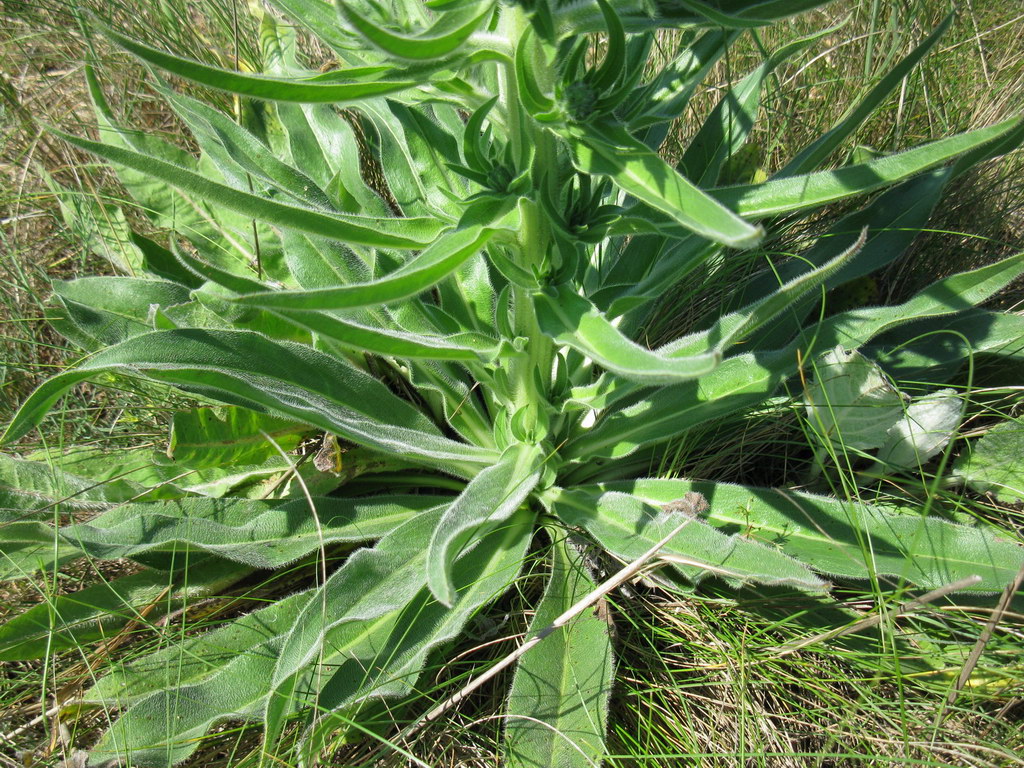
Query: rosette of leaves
[440, 255]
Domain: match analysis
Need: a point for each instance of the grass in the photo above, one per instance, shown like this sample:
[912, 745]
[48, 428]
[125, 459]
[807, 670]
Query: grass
[706, 677]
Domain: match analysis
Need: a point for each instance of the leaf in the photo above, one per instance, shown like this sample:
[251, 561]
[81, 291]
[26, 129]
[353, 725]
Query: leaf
[796, 193]
[851, 404]
[431, 265]
[365, 230]
[99, 226]
[734, 326]
[444, 38]
[610, 150]
[247, 369]
[557, 708]
[259, 86]
[572, 320]
[744, 380]
[726, 129]
[207, 437]
[490, 498]
[628, 527]
[108, 310]
[925, 429]
[257, 534]
[32, 489]
[818, 151]
[98, 612]
[994, 463]
[846, 538]
[390, 666]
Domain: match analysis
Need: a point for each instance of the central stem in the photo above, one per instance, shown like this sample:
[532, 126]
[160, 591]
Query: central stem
[530, 375]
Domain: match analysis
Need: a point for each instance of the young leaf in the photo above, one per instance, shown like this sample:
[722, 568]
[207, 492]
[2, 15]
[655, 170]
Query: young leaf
[925, 429]
[489, 499]
[609, 150]
[572, 320]
[445, 37]
[851, 404]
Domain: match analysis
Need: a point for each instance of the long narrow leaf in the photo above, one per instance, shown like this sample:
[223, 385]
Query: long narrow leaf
[364, 230]
[609, 150]
[848, 539]
[558, 705]
[433, 264]
[259, 86]
[245, 368]
[572, 320]
[490, 498]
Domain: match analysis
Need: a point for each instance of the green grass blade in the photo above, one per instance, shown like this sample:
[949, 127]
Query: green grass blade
[818, 151]
[98, 612]
[557, 709]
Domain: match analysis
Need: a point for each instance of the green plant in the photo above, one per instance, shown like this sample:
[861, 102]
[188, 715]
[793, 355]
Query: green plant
[448, 279]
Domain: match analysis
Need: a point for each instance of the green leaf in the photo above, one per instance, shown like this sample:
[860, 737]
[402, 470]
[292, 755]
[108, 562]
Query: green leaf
[395, 343]
[208, 437]
[733, 327]
[40, 490]
[818, 151]
[259, 86]
[628, 526]
[797, 193]
[247, 369]
[364, 230]
[558, 706]
[994, 463]
[851, 403]
[490, 499]
[100, 611]
[844, 538]
[572, 320]
[395, 661]
[257, 534]
[415, 276]
[610, 150]
[746, 379]
[108, 310]
[444, 38]
[726, 129]
[941, 345]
